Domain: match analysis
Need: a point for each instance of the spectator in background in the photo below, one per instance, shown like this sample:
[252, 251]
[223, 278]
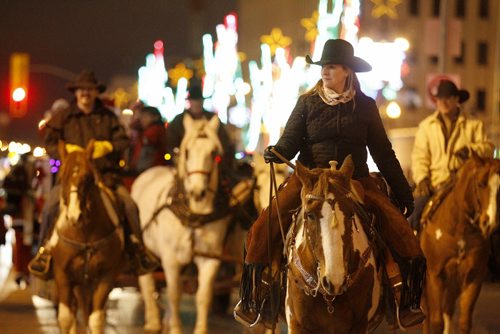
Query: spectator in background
[151, 141]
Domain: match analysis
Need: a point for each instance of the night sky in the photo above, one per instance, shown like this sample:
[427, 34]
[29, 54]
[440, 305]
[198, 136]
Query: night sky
[112, 37]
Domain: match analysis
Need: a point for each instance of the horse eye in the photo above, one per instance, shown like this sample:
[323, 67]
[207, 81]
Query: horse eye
[310, 216]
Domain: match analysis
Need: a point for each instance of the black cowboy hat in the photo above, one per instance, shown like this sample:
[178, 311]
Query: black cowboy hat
[86, 79]
[339, 51]
[447, 88]
[195, 93]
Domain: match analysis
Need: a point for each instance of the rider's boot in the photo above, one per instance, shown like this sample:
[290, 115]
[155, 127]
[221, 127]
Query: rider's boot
[40, 265]
[260, 297]
[409, 312]
[143, 260]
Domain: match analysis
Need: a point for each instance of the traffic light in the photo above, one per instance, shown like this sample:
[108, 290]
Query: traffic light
[19, 79]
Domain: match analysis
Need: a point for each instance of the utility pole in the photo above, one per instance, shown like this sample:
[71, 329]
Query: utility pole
[443, 35]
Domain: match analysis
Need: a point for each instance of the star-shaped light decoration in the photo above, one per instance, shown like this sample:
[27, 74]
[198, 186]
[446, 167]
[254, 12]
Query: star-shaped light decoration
[179, 71]
[276, 40]
[311, 25]
[121, 98]
[199, 67]
[385, 7]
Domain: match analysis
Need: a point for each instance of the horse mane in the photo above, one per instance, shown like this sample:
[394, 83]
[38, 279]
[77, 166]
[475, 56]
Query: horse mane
[66, 171]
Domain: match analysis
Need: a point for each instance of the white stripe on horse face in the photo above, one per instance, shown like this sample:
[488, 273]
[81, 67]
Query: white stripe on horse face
[494, 183]
[332, 230]
[74, 211]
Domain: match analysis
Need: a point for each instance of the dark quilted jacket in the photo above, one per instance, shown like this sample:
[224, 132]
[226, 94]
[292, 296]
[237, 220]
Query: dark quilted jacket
[75, 127]
[323, 133]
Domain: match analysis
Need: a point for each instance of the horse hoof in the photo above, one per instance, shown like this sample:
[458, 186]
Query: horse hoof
[175, 330]
[153, 326]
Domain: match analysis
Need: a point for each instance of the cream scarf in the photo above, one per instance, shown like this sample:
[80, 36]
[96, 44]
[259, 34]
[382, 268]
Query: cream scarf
[332, 98]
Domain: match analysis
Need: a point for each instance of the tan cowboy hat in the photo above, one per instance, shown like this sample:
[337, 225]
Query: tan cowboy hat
[447, 88]
[339, 51]
[86, 79]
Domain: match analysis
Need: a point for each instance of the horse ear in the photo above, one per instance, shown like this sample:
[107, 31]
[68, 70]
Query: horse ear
[61, 148]
[214, 123]
[347, 167]
[304, 175]
[90, 149]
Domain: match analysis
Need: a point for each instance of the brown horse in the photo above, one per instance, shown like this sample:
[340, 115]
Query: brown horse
[334, 283]
[455, 241]
[88, 251]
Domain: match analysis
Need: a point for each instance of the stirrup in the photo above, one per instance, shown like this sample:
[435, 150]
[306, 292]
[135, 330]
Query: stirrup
[40, 265]
[412, 324]
[246, 321]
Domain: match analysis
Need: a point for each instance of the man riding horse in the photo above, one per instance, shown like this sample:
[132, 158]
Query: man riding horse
[84, 120]
[175, 134]
[443, 143]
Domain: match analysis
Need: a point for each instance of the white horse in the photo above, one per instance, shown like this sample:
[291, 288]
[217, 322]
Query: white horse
[263, 180]
[168, 236]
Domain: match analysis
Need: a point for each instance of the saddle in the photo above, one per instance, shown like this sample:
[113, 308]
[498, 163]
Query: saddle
[436, 199]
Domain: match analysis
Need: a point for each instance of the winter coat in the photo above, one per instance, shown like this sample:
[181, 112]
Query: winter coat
[73, 126]
[323, 133]
[434, 159]
[150, 148]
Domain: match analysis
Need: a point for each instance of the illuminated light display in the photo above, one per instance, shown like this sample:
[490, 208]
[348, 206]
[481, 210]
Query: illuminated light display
[310, 24]
[276, 40]
[153, 89]
[386, 59]
[223, 84]
[179, 71]
[385, 7]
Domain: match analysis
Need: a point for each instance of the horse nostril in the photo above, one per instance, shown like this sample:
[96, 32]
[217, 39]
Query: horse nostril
[203, 193]
[326, 284]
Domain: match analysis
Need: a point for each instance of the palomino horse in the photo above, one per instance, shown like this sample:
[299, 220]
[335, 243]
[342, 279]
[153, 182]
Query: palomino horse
[169, 230]
[454, 240]
[333, 283]
[87, 242]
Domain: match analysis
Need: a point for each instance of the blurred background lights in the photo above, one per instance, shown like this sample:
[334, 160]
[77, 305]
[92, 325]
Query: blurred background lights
[393, 110]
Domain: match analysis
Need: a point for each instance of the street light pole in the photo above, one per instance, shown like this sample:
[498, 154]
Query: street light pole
[443, 35]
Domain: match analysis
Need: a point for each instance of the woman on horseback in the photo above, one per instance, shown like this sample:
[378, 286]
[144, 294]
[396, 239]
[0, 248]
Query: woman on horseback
[329, 122]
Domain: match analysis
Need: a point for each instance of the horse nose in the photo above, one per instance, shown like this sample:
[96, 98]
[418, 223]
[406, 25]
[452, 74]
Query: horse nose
[325, 283]
[199, 195]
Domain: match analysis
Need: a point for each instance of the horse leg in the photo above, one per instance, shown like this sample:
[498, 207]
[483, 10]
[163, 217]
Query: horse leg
[174, 290]
[151, 310]
[468, 300]
[97, 318]
[207, 271]
[67, 315]
[434, 294]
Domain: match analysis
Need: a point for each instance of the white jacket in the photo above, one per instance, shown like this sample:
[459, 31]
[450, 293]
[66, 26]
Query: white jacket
[431, 159]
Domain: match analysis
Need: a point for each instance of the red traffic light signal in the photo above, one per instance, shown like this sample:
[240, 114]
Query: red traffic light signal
[19, 79]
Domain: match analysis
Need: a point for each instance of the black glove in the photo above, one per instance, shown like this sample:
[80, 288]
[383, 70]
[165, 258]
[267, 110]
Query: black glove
[407, 209]
[424, 188]
[270, 156]
[463, 153]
